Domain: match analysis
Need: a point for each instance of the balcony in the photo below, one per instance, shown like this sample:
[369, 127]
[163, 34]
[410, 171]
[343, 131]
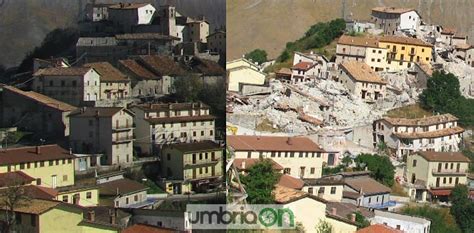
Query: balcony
[449, 172]
[202, 163]
[122, 140]
[122, 128]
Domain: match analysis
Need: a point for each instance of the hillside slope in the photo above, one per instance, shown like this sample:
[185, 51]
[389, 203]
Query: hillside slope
[269, 24]
[24, 23]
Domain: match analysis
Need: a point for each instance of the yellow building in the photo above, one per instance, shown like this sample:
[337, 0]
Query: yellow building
[403, 52]
[435, 174]
[243, 71]
[51, 165]
[80, 195]
[46, 216]
[310, 210]
[191, 166]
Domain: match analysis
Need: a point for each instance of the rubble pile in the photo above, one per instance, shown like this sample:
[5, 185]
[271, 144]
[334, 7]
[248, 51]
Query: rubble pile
[301, 108]
[464, 73]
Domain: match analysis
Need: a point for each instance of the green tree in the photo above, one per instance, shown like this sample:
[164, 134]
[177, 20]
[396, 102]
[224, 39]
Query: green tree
[360, 220]
[257, 55]
[346, 161]
[259, 182]
[462, 208]
[323, 227]
[441, 220]
[443, 95]
[381, 167]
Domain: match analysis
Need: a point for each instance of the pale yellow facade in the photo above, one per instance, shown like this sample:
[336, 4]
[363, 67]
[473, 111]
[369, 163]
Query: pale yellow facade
[327, 192]
[114, 90]
[87, 197]
[401, 56]
[436, 174]
[51, 173]
[244, 75]
[310, 212]
[376, 58]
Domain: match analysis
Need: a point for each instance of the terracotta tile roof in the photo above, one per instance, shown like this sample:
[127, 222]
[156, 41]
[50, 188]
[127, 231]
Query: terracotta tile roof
[290, 182]
[431, 134]
[96, 111]
[443, 156]
[107, 71]
[123, 187]
[284, 71]
[172, 106]
[344, 209]
[359, 41]
[137, 69]
[272, 143]
[15, 178]
[361, 72]
[29, 154]
[392, 10]
[378, 228]
[162, 120]
[324, 181]
[249, 162]
[367, 185]
[448, 31]
[463, 46]
[304, 66]
[195, 146]
[404, 40]
[425, 121]
[62, 71]
[144, 36]
[284, 195]
[206, 67]
[40, 192]
[350, 195]
[102, 213]
[142, 228]
[40, 99]
[33, 206]
[163, 65]
[128, 6]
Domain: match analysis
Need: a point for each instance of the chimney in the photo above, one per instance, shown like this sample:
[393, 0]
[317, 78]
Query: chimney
[243, 165]
[353, 217]
[38, 150]
[288, 141]
[91, 216]
[112, 217]
[333, 210]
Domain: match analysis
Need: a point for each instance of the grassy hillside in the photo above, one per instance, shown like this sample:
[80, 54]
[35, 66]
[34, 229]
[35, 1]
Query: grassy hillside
[269, 24]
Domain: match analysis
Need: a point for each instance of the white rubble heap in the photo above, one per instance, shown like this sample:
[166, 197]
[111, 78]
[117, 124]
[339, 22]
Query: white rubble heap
[344, 109]
[464, 73]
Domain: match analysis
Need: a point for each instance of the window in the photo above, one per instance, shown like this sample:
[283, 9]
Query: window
[312, 170]
[18, 218]
[310, 190]
[135, 198]
[202, 133]
[321, 190]
[42, 164]
[51, 162]
[286, 170]
[88, 195]
[38, 181]
[22, 166]
[33, 220]
[414, 163]
[126, 201]
[65, 198]
[211, 132]
[168, 156]
[64, 177]
[183, 124]
[333, 190]
[69, 161]
[63, 83]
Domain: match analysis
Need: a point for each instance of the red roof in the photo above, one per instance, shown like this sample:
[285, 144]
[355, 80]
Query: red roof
[272, 143]
[291, 182]
[14, 178]
[32, 154]
[40, 192]
[239, 164]
[303, 66]
[142, 228]
[378, 228]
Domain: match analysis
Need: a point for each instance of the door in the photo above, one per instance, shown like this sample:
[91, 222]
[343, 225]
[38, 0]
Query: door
[54, 181]
[82, 164]
[331, 159]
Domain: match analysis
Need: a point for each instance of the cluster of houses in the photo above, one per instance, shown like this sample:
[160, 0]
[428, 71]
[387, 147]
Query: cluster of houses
[94, 122]
[429, 146]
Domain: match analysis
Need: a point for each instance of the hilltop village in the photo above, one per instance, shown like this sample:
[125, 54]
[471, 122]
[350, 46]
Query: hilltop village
[118, 137]
[360, 123]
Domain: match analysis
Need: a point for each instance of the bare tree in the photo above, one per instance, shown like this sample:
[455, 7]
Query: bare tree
[12, 197]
